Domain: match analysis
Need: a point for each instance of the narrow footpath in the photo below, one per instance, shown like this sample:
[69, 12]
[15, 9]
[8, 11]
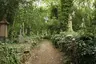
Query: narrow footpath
[45, 53]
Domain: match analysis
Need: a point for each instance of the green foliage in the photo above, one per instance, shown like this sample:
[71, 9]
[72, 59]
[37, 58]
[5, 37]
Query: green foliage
[84, 13]
[11, 53]
[23, 14]
[8, 55]
[54, 11]
[86, 49]
[32, 17]
[80, 50]
[8, 10]
[65, 10]
[54, 26]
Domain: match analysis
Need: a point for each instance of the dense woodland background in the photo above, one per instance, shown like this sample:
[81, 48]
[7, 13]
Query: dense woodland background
[34, 14]
[62, 21]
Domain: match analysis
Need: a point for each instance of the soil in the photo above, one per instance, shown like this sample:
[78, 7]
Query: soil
[45, 53]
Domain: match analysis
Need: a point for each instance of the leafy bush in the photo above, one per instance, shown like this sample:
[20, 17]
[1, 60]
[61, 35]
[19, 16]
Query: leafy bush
[87, 49]
[80, 50]
[8, 55]
[11, 53]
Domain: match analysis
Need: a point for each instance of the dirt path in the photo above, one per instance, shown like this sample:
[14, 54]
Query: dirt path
[45, 53]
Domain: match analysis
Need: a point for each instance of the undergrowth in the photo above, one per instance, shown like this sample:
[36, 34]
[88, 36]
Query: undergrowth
[11, 53]
[8, 55]
[79, 49]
